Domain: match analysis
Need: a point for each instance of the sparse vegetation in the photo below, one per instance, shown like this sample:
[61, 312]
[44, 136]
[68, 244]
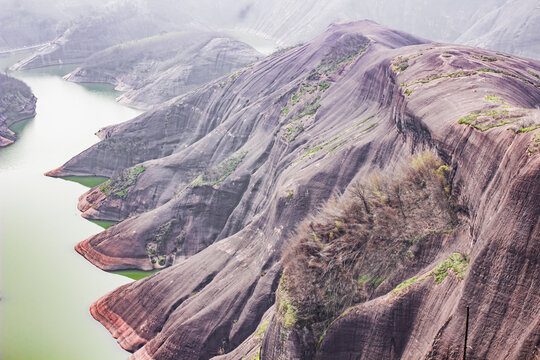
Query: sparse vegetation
[357, 242]
[342, 53]
[286, 309]
[324, 85]
[506, 56]
[457, 262]
[156, 246]
[534, 146]
[495, 99]
[406, 284]
[290, 194]
[217, 174]
[484, 58]
[285, 111]
[235, 76]
[282, 50]
[485, 120]
[400, 64]
[333, 140]
[505, 73]
[527, 129]
[311, 109]
[534, 74]
[292, 130]
[262, 329]
[119, 186]
[362, 280]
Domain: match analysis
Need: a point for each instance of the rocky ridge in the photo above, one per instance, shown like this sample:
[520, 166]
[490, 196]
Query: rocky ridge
[214, 183]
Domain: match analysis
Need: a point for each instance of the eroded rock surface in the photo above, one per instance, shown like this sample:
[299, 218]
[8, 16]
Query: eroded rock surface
[17, 103]
[223, 175]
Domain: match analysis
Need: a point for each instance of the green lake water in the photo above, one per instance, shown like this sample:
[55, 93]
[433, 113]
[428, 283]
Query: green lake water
[46, 288]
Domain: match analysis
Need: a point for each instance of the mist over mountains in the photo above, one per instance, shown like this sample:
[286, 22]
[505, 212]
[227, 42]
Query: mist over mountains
[504, 25]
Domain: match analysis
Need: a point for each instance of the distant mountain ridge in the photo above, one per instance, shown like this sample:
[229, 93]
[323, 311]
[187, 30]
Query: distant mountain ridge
[154, 70]
[511, 26]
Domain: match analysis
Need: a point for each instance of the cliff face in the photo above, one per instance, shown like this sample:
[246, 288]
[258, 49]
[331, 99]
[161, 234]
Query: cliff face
[17, 103]
[157, 69]
[215, 182]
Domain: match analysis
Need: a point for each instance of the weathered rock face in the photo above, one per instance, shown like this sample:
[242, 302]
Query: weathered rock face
[157, 69]
[214, 183]
[17, 103]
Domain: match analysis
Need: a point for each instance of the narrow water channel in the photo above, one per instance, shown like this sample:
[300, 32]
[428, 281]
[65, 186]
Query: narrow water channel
[46, 287]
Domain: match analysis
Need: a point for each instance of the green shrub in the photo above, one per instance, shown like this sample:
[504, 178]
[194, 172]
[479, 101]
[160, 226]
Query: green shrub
[457, 262]
[323, 86]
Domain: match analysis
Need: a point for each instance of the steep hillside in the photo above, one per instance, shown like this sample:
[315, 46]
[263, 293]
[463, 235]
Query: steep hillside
[17, 103]
[156, 69]
[213, 184]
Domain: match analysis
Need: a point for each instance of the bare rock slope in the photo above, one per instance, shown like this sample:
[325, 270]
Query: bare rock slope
[156, 69]
[17, 103]
[213, 184]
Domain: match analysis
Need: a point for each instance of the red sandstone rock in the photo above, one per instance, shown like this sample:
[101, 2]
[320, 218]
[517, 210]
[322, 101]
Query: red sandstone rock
[228, 266]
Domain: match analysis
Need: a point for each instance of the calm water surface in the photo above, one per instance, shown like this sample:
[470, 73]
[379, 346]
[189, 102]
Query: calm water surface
[46, 287]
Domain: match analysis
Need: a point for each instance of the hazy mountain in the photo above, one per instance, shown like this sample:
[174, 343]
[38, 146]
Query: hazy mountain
[156, 69]
[513, 27]
[17, 103]
[503, 25]
[30, 22]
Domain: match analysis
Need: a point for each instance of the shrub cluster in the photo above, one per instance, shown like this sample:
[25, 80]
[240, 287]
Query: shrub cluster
[341, 255]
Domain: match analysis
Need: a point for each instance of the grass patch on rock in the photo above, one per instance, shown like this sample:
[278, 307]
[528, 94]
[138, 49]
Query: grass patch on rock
[458, 263]
[217, 174]
[119, 186]
[534, 146]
